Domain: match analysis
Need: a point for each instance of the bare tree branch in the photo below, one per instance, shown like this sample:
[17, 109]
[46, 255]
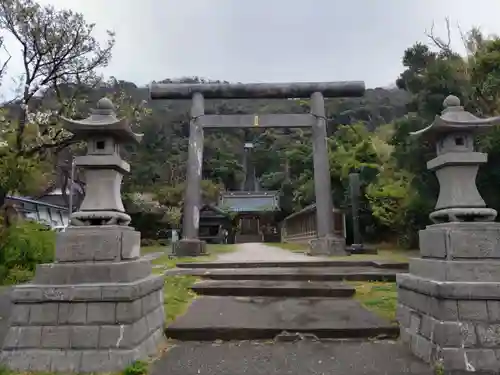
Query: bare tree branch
[443, 46]
[3, 65]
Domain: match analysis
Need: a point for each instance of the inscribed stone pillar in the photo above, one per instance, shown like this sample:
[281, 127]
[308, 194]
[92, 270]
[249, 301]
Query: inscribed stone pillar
[354, 187]
[97, 308]
[449, 302]
[327, 242]
[190, 245]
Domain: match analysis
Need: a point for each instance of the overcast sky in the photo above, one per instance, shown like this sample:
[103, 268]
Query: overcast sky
[273, 40]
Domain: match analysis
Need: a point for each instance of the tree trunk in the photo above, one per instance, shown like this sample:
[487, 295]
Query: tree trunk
[3, 212]
[3, 197]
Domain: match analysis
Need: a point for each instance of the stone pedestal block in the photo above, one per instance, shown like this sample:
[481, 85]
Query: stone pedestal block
[327, 246]
[449, 303]
[103, 243]
[96, 309]
[190, 248]
[461, 241]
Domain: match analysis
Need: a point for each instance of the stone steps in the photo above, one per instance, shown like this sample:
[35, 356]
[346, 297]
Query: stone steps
[263, 302]
[292, 273]
[301, 263]
[213, 318]
[263, 288]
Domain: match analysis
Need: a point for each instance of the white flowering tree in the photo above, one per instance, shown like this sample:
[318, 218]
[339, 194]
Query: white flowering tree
[60, 59]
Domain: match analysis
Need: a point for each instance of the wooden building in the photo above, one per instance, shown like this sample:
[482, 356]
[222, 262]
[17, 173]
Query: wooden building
[300, 227]
[213, 222]
[254, 214]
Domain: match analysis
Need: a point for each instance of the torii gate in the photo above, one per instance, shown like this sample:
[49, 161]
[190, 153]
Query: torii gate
[327, 242]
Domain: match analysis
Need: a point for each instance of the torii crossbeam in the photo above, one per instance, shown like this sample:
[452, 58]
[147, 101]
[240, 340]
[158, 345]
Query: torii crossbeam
[327, 242]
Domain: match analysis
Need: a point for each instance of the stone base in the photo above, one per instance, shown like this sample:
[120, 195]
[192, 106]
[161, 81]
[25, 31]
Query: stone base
[190, 248]
[96, 309]
[84, 328]
[452, 325]
[332, 246]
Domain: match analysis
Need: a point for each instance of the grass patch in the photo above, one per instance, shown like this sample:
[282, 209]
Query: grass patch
[379, 297]
[293, 247]
[177, 293]
[154, 249]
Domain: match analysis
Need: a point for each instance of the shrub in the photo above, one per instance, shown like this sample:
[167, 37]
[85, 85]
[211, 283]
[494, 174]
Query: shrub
[137, 368]
[22, 247]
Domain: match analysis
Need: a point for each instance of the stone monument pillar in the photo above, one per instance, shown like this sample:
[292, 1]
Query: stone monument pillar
[354, 189]
[97, 308]
[449, 302]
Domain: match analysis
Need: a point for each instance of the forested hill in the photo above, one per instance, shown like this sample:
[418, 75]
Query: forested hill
[161, 156]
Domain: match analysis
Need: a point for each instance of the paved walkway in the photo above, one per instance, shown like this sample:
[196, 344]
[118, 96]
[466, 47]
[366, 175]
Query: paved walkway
[252, 252]
[300, 358]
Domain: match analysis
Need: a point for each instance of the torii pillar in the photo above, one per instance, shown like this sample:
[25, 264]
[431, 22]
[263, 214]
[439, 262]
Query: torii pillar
[327, 242]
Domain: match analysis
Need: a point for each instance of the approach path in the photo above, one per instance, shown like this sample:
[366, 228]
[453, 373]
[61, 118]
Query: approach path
[256, 252]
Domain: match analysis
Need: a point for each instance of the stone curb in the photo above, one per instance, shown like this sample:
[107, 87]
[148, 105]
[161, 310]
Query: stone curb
[314, 263]
[450, 289]
[286, 289]
[98, 292]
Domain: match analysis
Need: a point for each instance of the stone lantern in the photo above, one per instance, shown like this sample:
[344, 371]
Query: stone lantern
[457, 163]
[449, 302]
[97, 308]
[103, 166]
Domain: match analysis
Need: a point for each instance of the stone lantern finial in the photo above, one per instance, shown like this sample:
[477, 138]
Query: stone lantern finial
[105, 104]
[451, 101]
[457, 163]
[104, 168]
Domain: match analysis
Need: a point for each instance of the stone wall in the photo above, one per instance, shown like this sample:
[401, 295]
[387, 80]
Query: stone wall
[456, 325]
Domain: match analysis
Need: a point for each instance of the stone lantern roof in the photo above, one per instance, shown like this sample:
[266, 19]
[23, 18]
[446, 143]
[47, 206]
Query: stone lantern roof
[103, 120]
[455, 119]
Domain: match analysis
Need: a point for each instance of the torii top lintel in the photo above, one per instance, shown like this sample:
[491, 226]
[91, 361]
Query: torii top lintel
[257, 90]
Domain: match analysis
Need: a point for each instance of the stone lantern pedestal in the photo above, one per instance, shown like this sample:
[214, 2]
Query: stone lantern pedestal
[97, 308]
[449, 302]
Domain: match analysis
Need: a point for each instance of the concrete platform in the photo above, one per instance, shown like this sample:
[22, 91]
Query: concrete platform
[292, 274]
[299, 358]
[273, 288]
[303, 263]
[254, 318]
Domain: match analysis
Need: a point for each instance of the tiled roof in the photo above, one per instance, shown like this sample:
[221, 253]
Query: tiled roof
[250, 202]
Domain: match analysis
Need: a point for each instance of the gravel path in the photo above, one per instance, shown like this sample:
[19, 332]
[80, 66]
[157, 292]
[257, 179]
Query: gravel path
[251, 252]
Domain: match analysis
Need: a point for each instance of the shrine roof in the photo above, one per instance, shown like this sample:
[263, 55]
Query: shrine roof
[250, 201]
